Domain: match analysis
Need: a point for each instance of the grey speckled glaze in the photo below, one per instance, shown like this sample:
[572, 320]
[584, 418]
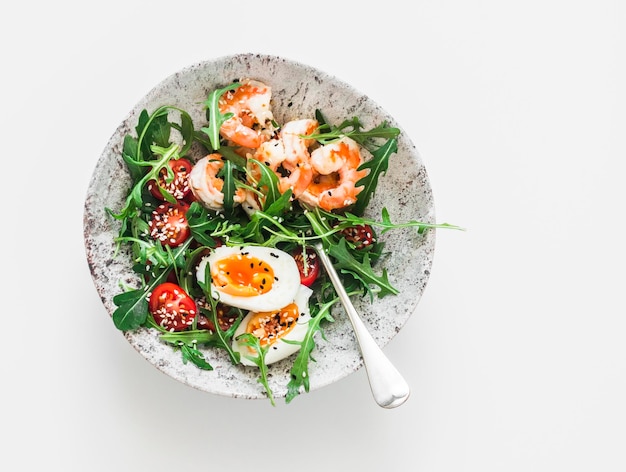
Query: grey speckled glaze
[297, 91]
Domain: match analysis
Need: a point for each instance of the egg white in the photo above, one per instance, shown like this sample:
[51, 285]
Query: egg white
[283, 290]
[279, 350]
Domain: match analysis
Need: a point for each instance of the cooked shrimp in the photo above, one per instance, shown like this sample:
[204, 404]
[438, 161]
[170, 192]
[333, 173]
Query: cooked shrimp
[206, 186]
[288, 156]
[297, 148]
[250, 104]
[298, 179]
[271, 153]
[251, 203]
[335, 175]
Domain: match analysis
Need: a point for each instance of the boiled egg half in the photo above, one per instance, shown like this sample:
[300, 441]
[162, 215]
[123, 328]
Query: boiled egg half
[273, 328]
[255, 278]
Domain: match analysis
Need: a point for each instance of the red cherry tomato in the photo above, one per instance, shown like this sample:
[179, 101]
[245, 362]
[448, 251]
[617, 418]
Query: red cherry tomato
[361, 235]
[169, 224]
[179, 186]
[224, 317]
[171, 307]
[308, 264]
[190, 198]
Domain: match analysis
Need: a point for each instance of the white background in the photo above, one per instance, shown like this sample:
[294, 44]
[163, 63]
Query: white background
[516, 355]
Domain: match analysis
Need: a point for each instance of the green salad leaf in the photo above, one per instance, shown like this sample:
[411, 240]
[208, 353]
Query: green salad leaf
[376, 166]
[345, 262]
[299, 374]
[327, 133]
[216, 118]
[250, 340]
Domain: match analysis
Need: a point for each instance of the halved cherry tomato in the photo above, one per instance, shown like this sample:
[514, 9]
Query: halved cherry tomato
[225, 317]
[361, 235]
[179, 186]
[190, 198]
[308, 264]
[171, 307]
[169, 224]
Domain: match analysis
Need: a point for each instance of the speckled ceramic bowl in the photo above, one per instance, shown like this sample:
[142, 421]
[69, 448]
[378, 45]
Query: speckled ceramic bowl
[297, 91]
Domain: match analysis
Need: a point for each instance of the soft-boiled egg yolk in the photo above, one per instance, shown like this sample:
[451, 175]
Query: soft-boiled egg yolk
[290, 323]
[242, 276]
[251, 277]
[270, 326]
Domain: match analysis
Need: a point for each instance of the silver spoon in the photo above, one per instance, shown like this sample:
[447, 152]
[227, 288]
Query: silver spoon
[388, 387]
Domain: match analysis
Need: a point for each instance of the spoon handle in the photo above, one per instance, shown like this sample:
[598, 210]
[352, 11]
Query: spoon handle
[388, 386]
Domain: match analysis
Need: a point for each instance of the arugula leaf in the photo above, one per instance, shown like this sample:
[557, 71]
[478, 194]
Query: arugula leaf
[422, 226]
[132, 309]
[203, 226]
[353, 128]
[250, 340]
[190, 353]
[218, 338]
[350, 219]
[187, 131]
[319, 221]
[215, 117]
[197, 136]
[155, 129]
[267, 183]
[134, 199]
[345, 262]
[377, 165]
[130, 154]
[152, 129]
[229, 153]
[186, 344]
[299, 374]
[228, 189]
[262, 220]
